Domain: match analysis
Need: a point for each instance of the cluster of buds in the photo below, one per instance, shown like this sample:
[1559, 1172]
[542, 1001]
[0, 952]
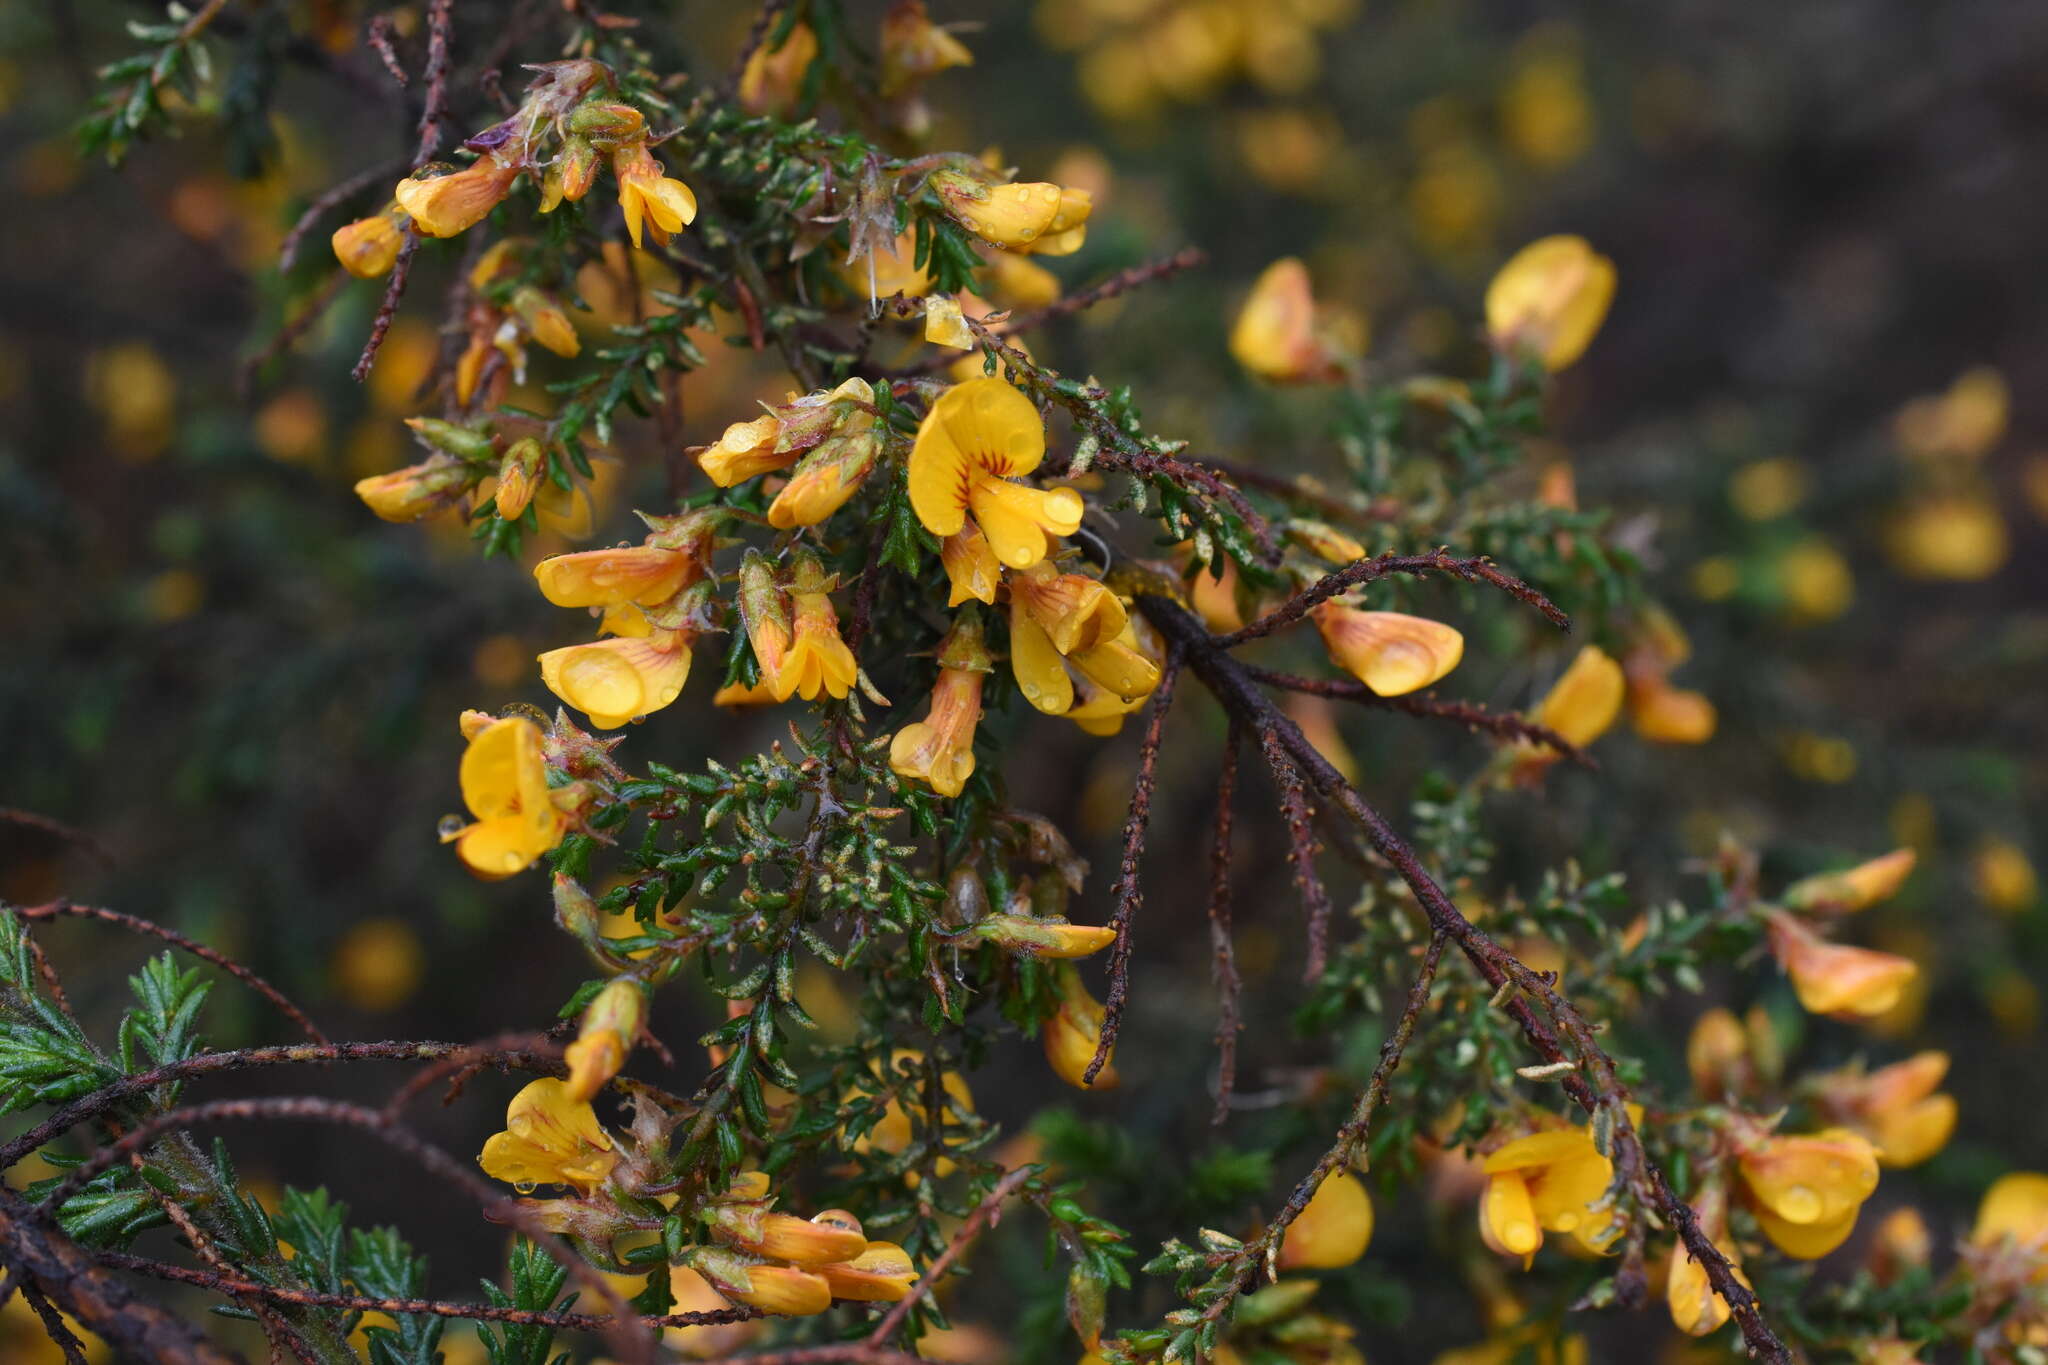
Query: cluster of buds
[831, 438]
[793, 628]
[1840, 979]
[463, 458]
[780, 1263]
[1284, 336]
[653, 600]
[1035, 218]
[1660, 712]
[565, 129]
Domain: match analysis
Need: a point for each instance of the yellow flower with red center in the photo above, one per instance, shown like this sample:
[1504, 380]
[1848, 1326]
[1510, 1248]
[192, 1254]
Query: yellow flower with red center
[618, 681]
[1549, 300]
[647, 195]
[1390, 652]
[505, 785]
[914, 49]
[368, 247]
[1032, 216]
[1897, 1107]
[610, 1024]
[1836, 978]
[939, 750]
[550, 1138]
[1554, 1180]
[977, 439]
[1073, 1032]
[1281, 335]
[1333, 1230]
[773, 78]
[445, 205]
[1858, 888]
[1806, 1191]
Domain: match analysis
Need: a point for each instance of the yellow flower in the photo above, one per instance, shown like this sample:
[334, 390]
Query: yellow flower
[1333, 1230]
[610, 1024]
[778, 1289]
[1549, 300]
[1043, 937]
[1695, 1308]
[368, 247]
[783, 1236]
[1836, 978]
[818, 661]
[692, 1293]
[1896, 1106]
[773, 80]
[646, 574]
[1017, 281]
[445, 205]
[945, 325]
[645, 193]
[1806, 1191]
[1963, 423]
[881, 1274]
[1073, 1032]
[977, 438]
[546, 321]
[505, 785]
[1547, 1181]
[1952, 537]
[550, 1138]
[1858, 888]
[420, 490]
[1282, 336]
[1664, 714]
[1391, 653]
[745, 450]
[939, 750]
[2015, 1214]
[1581, 705]
[914, 49]
[620, 680]
[2003, 877]
[831, 474]
[892, 1133]
[1075, 611]
[1023, 216]
[970, 564]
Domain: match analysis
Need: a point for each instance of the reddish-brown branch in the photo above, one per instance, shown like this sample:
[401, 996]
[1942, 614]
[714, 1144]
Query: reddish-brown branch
[1301, 852]
[387, 311]
[1222, 946]
[378, 36]
[1362, 571]
[440, 1308]
[636, 1345]
[986, 1214]
[1129, 894]
[221, 960]
[327, 202]
[534, 1051]
[1295, 491]
[1502, 724]
[1592, 1081]
[88, 1107]
[56, 829]
[440, 19]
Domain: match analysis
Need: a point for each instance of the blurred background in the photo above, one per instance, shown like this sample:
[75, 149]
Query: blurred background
[1815, 410]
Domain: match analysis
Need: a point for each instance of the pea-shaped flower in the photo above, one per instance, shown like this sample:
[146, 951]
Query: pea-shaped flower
[550, 1138]
[505, 785]
[978, 438]
[1549, 300]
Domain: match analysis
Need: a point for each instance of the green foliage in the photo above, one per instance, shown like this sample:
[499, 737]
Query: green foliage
[537, 1281]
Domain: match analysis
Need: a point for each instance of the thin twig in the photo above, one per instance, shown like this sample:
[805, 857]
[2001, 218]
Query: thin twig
[1222, 946]
[387, 311]
[56, 829]
[199, 950]
[440, 19]
[328, 200]
[378, 37]
[1301, 852]
[1361, 571]
[288, 335]
[1503, 724]
[1129, 894]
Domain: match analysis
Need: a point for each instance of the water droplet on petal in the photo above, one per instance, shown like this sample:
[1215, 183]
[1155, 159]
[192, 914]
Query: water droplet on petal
[1799, 1205]
[450, 827]
[525, 1186]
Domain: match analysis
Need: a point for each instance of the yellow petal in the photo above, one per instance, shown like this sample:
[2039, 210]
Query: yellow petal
[1333, 1230]
[1550, 299]
[1390, 652]
[1507, 1217]
[1020, 521]
[1040, 673]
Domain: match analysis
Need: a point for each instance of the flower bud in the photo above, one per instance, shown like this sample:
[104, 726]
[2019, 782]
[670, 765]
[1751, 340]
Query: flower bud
[517, 476]
[570, 175]
[1860, 887]
[783, 1236]
[1043, 938]
[825, 479]
[881, 1274]
[612, 1021]
[607, 120]
[1549, 300]
[368, 247]
[433, 485]
[547, 321]
[776, 1289]
[745, 450]
[1072, 1034]
[1333, 1230]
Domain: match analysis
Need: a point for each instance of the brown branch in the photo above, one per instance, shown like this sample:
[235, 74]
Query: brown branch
[1221, 944]
[54, 1326]
[463, 1063]
[44, 1259]
[1593, 1081]
[440, 1308]
[636, 1346]
[401, 271]
[88, 1107]
[439, 20]
[56, 829]
[378, 36]
[1129, 894]
[326, 202]
[1293, 490]
[986, 1214]
[1362, 571]
[1503, 724]
[199, 950]
[1301, 852]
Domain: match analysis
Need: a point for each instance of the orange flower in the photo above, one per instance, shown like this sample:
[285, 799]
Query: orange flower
[420, 490]
[1554, 1180]
[979, 437]
[1333, 1230]
[1391, 653]
[939, 750]
[1835, 978]
[1073, 1032]
[368, 247]
[1862, 886]
[1896, 1106]
[914, 49]
[818, 661]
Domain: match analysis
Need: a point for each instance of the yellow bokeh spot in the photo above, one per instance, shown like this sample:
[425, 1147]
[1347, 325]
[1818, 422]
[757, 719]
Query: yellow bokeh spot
[1764, 489]
[1814, 582]
[1546, 117]
[1820, 758]
[2003, 877]
[501, 660]
[172, 595]
[403, 364]
[378, 964]
[292, 427]
[136, 393]
[1716, 578]
[1913, 821]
